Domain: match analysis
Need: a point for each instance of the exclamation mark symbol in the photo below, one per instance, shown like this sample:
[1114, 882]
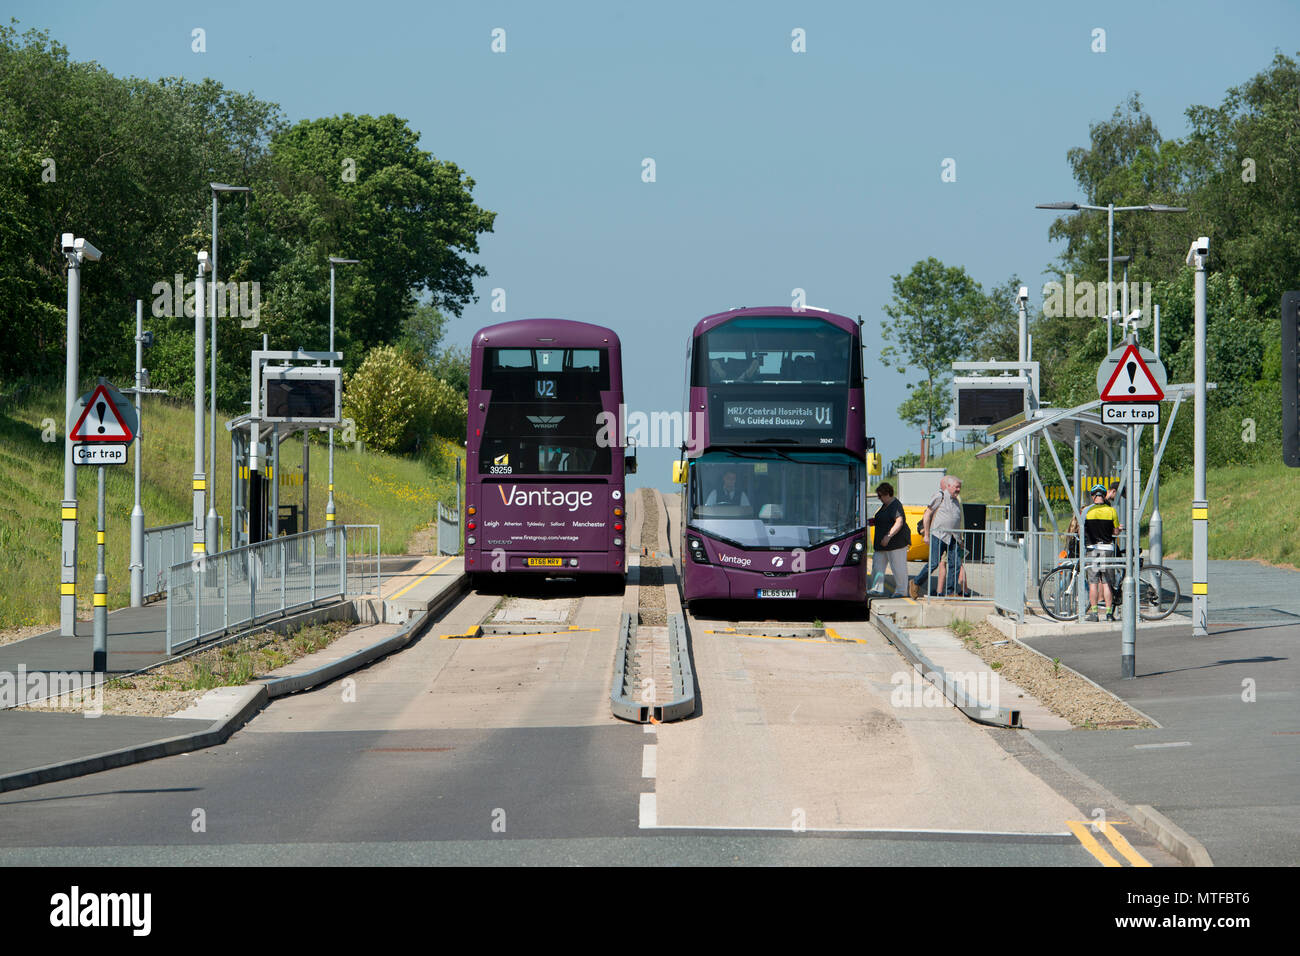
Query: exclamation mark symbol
[101, 407]
[1132, 375]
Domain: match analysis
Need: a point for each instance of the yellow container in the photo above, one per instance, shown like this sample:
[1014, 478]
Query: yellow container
[920, 547]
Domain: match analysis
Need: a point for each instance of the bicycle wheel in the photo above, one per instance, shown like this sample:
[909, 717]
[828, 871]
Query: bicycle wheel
[1056, 593]
[1158, 592]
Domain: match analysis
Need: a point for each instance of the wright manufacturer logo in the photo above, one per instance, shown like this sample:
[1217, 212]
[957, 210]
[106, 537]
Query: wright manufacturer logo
[546, 422]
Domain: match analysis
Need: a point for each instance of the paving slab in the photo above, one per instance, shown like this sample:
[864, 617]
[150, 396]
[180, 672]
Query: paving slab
[945, 649]
[38, 738]
[1225, 763]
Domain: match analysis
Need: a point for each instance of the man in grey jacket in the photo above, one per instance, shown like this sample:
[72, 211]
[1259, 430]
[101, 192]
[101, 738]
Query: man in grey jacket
[942, 527]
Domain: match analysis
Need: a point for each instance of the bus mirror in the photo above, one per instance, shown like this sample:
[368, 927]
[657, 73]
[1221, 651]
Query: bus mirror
[679, 473]
[629, 464]
[873, 463]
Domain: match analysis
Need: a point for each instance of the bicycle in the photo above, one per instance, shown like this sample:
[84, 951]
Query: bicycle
[1157, 592]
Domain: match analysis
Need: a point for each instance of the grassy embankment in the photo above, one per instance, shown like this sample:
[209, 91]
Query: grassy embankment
[1252, 510]
[398, 494]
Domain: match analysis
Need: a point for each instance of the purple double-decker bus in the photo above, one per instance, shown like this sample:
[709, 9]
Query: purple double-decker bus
[774, 504]
[544, 471]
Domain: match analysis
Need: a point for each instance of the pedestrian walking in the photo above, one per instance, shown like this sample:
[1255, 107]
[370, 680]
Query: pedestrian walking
[942, 526]
[891, 540]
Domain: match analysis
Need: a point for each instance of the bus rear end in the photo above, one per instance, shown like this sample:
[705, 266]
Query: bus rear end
[545, 473]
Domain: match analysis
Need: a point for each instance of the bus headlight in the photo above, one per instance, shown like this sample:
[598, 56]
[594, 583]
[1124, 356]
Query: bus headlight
[857, 551]
[698, 553]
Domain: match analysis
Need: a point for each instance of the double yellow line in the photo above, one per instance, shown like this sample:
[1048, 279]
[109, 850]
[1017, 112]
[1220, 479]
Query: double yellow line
[394, 597]
[1081, 830]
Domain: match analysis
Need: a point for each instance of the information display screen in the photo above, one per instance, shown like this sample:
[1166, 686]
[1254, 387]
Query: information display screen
[300, 395]
[980, 406]
[814, 418]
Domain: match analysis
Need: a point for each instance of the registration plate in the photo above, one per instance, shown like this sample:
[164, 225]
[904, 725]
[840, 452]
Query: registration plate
[545, 562]
[777, 593]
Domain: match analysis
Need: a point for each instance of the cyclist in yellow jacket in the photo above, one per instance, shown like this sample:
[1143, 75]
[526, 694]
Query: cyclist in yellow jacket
[1099, 524]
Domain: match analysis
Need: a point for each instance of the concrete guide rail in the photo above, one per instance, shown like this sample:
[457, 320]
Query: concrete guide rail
[953, 690]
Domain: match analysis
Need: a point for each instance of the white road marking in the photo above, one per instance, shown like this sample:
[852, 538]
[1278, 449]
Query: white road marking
[649, 728]
[1176, 743]
[723, 826]
[648, 760]
[648, 811]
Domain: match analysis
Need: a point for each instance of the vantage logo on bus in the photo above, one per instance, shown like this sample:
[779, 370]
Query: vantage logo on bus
[544, 498]
[777, 415]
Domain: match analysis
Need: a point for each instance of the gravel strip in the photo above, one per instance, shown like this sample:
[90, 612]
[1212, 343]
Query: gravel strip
[1063, 692]
[165, 690]
[10, 635]
[652, 607]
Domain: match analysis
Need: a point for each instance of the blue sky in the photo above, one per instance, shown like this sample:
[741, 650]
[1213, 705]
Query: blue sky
[775, 170]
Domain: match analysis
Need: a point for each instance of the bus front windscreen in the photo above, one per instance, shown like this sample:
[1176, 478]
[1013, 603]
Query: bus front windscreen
[775, 350]
[776, 499]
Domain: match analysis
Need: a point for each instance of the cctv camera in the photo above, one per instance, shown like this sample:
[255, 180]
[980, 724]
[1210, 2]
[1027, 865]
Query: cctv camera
[1023, 295]
[86, 250]
[68, 244]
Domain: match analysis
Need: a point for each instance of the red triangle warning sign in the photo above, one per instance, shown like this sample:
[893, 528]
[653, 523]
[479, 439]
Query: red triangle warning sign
[1132, 381]
[100, 421]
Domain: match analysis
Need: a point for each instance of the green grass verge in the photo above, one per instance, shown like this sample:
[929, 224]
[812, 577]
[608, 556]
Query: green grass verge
[1252, 507]
[398, 494]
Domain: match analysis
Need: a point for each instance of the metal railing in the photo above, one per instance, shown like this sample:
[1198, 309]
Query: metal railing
[448, 530]
[976, 579]
[165, 547]
[216, 593]
[363, 570]
[1010, 574]
[980, 572]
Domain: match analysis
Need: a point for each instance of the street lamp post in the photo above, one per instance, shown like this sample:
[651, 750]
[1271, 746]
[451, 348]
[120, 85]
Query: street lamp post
[1110, 337]
[1111, 259]
[1198, 258]
[214, 521]
[76, 251]
[329, 505]
[200, 478]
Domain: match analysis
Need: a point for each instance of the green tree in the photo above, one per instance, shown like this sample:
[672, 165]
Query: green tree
[933, 321]
[398, 406]
[452, 366]
[360, 186]
[125, 163]
[1249, 151]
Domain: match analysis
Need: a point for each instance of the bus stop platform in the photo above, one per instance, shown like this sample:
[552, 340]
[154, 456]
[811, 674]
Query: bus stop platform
[38, 745]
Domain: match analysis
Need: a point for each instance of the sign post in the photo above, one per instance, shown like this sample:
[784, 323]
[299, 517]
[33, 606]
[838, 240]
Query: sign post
[106, 426]
[1131, 385]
